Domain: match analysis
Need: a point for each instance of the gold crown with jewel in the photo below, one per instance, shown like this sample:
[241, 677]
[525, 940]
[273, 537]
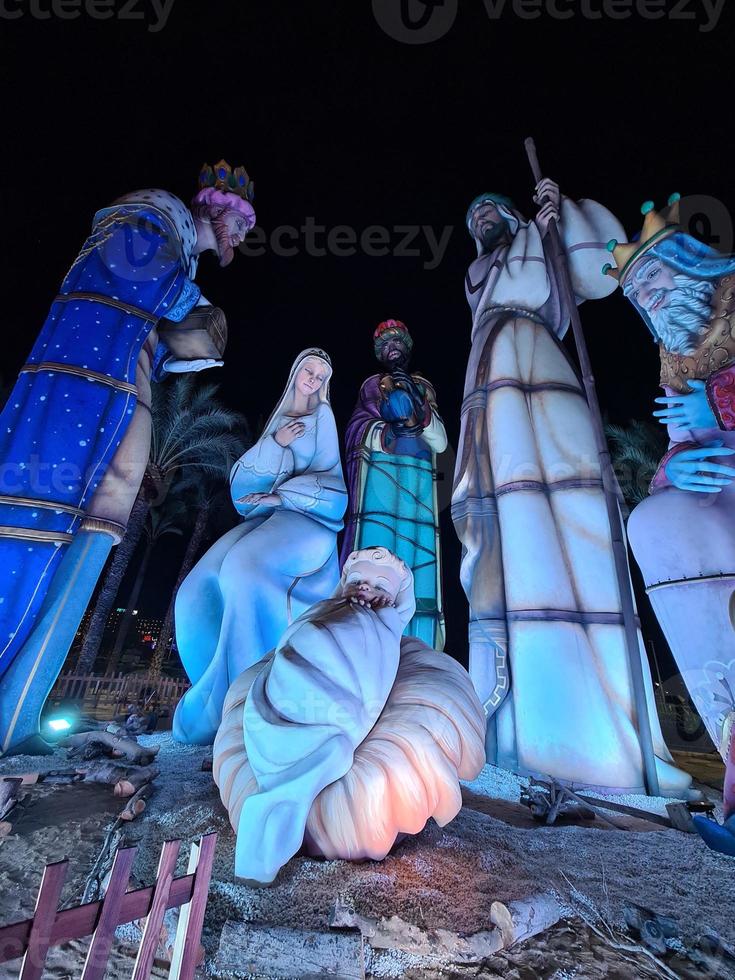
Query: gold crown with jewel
[657, 225]
[223, 178]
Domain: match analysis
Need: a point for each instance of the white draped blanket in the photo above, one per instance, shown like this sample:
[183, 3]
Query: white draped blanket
[299, 756]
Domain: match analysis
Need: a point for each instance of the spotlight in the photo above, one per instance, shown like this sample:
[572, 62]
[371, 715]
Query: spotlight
[59, 724]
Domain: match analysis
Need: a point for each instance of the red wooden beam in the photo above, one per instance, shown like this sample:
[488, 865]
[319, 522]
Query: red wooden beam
[154, 921]
[47, 903]
[82, 921]
[185, 957]
[98, 953]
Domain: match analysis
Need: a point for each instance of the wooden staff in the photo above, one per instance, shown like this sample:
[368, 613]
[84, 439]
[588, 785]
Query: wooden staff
[620, 550]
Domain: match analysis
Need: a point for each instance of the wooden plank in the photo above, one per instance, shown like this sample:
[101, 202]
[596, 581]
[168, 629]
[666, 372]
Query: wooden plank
[518, 921]
[81, 921]
[154, 921]
[99, 949]
[47, 904]
[185, 956]
[631, 811]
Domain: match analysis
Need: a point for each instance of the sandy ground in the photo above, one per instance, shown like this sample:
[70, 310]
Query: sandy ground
[442, 879]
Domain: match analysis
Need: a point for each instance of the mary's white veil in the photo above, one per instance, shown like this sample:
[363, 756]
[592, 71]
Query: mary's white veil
[321, 396]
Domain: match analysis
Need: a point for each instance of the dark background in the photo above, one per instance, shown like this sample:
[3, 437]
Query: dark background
[337, 121]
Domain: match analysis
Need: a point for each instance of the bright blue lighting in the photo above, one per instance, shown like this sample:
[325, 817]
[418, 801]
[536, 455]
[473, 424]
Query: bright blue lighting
[59, 724]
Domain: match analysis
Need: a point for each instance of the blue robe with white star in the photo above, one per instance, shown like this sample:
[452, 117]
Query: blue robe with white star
[75, 397]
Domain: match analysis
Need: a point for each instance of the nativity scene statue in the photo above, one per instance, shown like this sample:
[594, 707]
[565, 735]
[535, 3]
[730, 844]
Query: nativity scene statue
[75, 432]
[548, 650]
[683, 534]
[393, 439]
[348, 735]
[239, 599]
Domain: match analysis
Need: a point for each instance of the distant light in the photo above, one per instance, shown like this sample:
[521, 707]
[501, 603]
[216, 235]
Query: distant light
[135, 612]
[59, 724]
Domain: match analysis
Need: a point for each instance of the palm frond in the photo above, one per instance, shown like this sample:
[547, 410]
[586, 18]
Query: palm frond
[192, 429]
[212, 425]
[636, 450]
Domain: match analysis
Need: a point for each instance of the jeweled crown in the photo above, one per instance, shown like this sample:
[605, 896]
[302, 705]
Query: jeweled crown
[657, 225]
[223, 178]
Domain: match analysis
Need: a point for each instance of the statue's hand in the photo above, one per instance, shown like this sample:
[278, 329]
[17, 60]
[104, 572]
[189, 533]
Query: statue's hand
[289, 433]
[548, 197]
[397, 407]
[261, 499]
[174, 366]
[691, 411]
[382, 602]
[376, 602]
[547, 190]
[691, 469]
[403, 379]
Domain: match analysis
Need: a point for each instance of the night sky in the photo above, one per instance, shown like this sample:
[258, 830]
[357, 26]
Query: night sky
[342, 125]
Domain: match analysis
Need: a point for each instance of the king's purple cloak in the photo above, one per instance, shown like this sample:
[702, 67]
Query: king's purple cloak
[367, 411]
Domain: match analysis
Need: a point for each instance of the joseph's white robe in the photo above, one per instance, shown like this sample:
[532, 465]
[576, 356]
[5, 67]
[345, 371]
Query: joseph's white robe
[547, 643]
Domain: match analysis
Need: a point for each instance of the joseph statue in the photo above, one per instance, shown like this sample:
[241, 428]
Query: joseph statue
[547, 642]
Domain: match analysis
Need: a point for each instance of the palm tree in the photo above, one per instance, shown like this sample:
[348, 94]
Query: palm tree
[168, 518]
[107, 591]
[636, 451]
[193, 434]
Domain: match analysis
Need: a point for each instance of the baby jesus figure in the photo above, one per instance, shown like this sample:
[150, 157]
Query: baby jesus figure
[372, 582]
[348, 735]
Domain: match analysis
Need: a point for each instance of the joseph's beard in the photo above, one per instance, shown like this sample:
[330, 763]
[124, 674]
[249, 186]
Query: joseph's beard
[680, 325]
[491, 237]
[225, 249]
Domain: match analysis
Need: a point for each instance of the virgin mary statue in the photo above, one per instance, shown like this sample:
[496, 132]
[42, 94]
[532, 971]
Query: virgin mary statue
[236, 603]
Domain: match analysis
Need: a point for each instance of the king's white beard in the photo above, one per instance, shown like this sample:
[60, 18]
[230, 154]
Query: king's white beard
[680, 325]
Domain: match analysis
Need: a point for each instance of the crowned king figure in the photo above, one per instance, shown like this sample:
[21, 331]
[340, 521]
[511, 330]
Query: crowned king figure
[683, 534]
[75, 432]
